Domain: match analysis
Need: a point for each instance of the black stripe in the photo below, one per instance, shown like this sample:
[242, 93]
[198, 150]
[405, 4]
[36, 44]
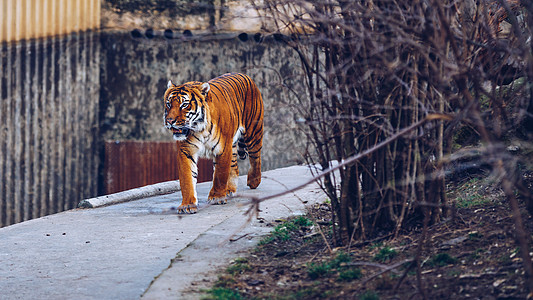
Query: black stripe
[189, 142]
[188, 155]
[254, 152]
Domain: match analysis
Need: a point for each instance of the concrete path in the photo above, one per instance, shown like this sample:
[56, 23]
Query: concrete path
[137, 249]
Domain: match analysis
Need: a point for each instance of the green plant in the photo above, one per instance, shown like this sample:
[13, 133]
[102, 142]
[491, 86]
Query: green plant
[471, 200]
[385, 254]
[307, 293]
[302, 221]
[222, 293]
[321, 269]
[369, 295]
[282, 232]
[442, 259]
[342, 257]
[469, 194]
[224, 280]
[266, 240]
[350, 274]
[317, 270]
[238, 266]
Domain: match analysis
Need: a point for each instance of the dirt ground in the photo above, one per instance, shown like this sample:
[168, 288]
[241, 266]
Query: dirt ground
[472, 256]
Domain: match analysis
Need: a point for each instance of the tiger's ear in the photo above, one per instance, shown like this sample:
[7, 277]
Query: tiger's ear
[205, 88]
[170, 84]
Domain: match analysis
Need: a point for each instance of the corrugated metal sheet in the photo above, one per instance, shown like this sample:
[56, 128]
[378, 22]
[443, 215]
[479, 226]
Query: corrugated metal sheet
[49, 87]
[131, 164]
[28, 19]
[48, 125]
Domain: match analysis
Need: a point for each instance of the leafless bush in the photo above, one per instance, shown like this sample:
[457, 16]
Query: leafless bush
[374, 68]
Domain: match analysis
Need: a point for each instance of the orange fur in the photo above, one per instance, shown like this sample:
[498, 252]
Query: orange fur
[211, 120]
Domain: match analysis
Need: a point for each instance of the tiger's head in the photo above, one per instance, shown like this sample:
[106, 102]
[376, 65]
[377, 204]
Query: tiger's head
[185, 109]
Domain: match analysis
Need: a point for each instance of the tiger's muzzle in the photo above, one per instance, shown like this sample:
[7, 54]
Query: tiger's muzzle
[179, 132]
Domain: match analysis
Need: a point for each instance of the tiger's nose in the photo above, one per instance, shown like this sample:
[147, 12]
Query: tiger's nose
[169, 120]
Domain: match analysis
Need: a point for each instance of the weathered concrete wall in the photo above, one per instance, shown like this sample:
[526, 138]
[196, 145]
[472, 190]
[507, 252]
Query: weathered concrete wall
[179, 15]
[136, 70]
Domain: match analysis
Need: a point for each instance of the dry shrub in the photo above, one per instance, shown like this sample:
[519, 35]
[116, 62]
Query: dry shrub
[373, 68]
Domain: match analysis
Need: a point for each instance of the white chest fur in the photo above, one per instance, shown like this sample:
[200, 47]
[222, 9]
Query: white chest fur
[209, 146]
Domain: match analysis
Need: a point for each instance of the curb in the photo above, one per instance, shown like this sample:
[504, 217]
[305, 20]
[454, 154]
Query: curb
[162, 188]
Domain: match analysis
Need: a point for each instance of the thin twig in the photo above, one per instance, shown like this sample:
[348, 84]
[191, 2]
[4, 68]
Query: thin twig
[324, 238]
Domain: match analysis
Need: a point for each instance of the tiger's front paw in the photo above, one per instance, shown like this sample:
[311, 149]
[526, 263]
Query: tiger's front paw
[187, 209]
[219, 197]
[216, 201]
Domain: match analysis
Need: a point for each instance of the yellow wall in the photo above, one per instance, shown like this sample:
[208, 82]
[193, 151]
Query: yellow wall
[26, 19]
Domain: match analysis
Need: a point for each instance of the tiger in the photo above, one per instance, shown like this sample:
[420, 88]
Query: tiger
[219, 119]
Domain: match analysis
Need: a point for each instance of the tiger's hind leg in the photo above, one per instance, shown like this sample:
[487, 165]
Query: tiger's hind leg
[254, 175]
[221, 177]
[254, 147]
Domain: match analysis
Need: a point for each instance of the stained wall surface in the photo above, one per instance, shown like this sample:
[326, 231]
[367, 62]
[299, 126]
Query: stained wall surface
[137, 71]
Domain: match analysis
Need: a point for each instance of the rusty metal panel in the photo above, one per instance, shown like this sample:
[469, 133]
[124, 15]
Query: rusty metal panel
[131, 164]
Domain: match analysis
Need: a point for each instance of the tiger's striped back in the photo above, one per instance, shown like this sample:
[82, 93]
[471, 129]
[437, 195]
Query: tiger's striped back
[250, 103]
